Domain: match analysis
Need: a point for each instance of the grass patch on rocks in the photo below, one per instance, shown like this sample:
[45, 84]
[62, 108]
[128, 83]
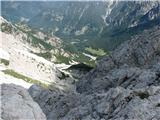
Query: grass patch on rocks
[96, 52]
[25, 78]
[5, 62]
[46, 55]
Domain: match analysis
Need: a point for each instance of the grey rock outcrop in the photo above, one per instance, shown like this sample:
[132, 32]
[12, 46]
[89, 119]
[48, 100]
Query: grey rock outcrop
[116, 104]
[119, 104]
[54, 103]
[140, 54]
[17, 104]
[124, 86]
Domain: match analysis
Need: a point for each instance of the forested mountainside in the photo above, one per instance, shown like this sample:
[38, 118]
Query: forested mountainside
[85, 23]
[48, 46]
[80, 60]
[123, 86]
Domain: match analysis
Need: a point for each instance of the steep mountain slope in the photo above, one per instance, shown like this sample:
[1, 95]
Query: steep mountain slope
[34, 41]
[104, 21]
[124, 86]
[128, 61]
[44, 45]
[35, 57]
[21, 62]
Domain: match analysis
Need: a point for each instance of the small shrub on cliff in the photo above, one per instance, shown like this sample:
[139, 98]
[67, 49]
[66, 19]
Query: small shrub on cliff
[5, 62]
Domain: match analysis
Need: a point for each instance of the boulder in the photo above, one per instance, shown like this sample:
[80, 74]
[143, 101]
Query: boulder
[55, 103]
[17, 104]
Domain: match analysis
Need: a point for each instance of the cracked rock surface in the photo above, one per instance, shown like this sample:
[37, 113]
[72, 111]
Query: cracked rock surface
[125, 85]
[115, 104]
[130, 62]
[17, 104]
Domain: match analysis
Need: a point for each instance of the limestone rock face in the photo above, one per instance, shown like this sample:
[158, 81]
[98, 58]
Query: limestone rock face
[17, 47]
[17, 104]
[32, 66]
[119, 104]
[55, 103]
[124, 86]
[126, 63]
[116, 104]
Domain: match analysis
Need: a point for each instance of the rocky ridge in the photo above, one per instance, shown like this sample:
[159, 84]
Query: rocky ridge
[134, 58]
[123, 86]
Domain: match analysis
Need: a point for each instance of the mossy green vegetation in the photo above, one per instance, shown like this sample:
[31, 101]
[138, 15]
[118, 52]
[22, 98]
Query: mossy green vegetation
[5, 62]
[36, 42]
[25, 78]
[96, 52]
[84, 59]
[5, 27]
[143, 95]
[47, 55]
[70, 48]
[76, 49]
[62, 59]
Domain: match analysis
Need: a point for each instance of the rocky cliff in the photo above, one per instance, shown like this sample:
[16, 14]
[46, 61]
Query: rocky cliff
[124, 86]
[17, 104]
[129, 60]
